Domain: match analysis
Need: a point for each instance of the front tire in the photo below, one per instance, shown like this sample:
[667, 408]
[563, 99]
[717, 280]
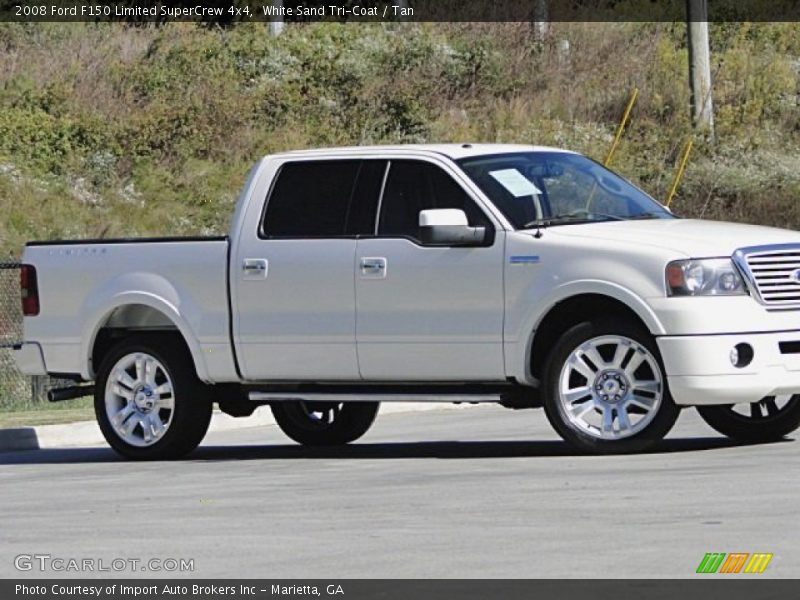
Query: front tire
[148, 401]
[604, 388]
[324, 423]
[769, 420]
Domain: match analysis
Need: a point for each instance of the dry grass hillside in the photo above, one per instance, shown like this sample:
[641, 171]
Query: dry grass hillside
[111, 130]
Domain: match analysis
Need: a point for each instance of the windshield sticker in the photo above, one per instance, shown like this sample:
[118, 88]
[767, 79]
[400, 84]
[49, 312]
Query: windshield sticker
[516, 183]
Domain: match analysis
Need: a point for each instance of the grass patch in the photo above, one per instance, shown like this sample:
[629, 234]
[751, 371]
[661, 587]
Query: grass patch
[46, 413]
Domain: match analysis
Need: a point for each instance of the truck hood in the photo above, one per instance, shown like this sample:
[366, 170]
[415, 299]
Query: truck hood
[693, 238]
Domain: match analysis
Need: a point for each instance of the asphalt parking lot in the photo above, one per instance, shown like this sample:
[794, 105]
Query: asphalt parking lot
[469, 492]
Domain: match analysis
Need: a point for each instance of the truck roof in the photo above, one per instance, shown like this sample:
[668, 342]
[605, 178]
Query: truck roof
[453, 151]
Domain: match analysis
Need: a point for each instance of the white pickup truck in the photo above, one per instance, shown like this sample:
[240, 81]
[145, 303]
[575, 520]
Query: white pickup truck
[522, 275]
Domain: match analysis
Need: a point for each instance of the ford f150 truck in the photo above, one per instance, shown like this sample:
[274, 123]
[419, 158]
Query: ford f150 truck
[526, 276]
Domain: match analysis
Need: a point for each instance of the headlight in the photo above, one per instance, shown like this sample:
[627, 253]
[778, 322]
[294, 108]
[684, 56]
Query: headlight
[708, 277]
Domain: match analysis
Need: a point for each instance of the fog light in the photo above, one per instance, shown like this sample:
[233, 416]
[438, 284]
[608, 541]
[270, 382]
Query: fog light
[741, 355]
[734, 356]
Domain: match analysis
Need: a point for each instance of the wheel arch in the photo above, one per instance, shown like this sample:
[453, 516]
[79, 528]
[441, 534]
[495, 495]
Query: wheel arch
[132, 314]
[572, 309]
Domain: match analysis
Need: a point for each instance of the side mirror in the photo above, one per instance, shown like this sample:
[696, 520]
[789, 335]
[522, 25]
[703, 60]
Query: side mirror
[448, 227]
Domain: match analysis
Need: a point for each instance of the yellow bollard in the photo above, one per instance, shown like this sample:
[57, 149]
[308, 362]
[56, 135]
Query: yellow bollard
[681, 168]
[625, 116]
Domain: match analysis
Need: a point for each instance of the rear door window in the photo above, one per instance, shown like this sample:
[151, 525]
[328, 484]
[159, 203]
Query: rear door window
[311, 199]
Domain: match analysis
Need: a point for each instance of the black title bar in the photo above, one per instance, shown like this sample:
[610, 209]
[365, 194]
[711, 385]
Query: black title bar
[233, 11]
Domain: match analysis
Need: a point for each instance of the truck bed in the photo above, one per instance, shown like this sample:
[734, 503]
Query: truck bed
[83, 282]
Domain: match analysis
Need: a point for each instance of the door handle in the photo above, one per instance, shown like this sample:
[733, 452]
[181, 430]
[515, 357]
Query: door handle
[373, 266]
[255, 268]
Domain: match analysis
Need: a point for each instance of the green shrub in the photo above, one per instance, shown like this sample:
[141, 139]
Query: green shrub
[117, 130]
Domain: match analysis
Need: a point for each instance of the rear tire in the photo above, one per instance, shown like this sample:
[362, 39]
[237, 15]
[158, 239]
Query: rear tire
[148, 401]
[604, 388]
[324, 423]
[769, 420]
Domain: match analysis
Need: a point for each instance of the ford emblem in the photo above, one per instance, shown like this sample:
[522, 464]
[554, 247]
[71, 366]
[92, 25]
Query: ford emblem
[795, 276]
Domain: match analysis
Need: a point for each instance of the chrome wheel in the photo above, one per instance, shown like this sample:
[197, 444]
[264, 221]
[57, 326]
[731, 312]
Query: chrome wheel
[767, 408]
[324, 423]
[769, 419]
[139, 399]
[610, 387]
[317, 415]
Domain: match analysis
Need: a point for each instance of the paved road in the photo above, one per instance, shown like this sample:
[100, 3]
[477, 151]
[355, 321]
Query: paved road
[474, 492]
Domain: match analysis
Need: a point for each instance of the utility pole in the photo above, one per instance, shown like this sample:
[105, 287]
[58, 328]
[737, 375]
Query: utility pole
[541, 24]
[402, 7]
[700, 66]
[276, 23]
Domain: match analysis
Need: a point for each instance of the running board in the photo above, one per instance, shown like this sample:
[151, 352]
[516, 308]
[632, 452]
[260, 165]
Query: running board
[370, 397]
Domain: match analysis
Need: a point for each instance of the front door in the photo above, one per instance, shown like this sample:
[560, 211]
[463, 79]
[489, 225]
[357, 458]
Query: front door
[428, 313]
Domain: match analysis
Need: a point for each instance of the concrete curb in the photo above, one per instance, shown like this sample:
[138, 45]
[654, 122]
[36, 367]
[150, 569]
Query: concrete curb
[87, 433]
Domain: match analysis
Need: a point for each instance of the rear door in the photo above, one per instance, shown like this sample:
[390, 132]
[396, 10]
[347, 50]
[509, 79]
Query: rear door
[293, 271]
[428, 313]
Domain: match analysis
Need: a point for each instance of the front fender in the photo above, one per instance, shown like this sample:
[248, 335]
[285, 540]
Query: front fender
[518, 348]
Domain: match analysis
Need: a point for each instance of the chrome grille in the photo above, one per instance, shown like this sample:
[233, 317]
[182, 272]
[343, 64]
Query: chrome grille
[774, 271]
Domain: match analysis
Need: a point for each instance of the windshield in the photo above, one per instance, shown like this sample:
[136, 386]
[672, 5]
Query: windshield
[553, 188]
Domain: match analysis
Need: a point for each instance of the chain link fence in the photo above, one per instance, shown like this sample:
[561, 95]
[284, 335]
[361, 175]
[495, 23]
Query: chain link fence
[16, 389]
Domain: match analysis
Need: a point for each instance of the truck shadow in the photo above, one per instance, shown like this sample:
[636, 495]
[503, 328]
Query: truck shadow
[372, 451]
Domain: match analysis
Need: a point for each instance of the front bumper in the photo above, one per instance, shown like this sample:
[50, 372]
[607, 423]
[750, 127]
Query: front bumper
[29, 358]
[700, 372]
